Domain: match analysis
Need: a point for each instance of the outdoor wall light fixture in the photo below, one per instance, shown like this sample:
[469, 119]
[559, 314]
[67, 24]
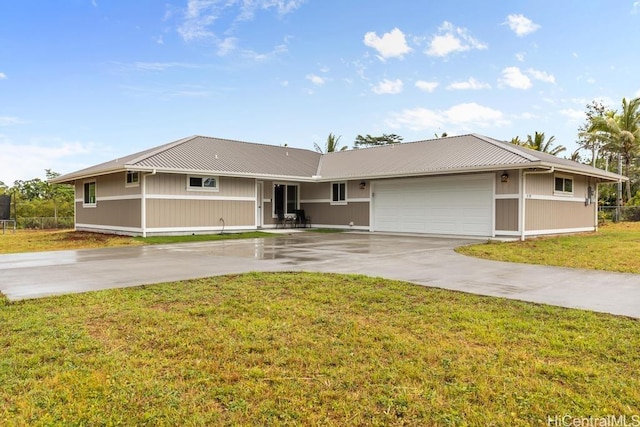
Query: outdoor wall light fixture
[362, 185]
[504, 177]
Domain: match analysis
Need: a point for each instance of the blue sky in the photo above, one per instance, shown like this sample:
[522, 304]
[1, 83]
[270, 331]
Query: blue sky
[86, 81]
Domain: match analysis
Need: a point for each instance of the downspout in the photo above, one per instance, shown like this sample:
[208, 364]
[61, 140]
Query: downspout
[143, 204]
[524, 187]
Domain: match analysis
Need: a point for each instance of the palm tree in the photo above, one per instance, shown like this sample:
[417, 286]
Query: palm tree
[331, 145]
[538, 143]
[620, 133]
[518, 141]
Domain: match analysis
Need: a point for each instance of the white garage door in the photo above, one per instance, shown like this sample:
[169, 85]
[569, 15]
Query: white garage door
[437, 205]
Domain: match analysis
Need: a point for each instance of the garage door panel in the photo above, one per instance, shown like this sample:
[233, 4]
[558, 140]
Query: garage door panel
[459, 206]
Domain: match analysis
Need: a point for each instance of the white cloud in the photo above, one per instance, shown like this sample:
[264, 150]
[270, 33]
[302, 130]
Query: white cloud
[29, 160]
[521, 25]
[472, 83]
[427, 86]
[452, 39]
[388, 87]
[638, 93]
[541, 75]
[466, 116]
[391, 45]
[635, 8]
[316, 80]
[256, 56]
[513, 77]
[573, 115]
[200, 15]
[3, 76]
[227, 45]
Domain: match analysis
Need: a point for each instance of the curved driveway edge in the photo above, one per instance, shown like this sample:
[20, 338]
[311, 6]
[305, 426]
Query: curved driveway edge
[426, 261]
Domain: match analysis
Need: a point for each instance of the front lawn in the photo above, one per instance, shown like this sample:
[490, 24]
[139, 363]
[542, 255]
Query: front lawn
[36, 241]
[309, 349]
[615, 247]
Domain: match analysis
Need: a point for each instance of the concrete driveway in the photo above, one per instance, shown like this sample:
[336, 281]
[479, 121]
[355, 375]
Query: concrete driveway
[426, 261]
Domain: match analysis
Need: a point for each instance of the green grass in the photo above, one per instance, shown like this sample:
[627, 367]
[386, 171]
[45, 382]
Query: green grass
[154, 240]
[309, 349]
[615, 247]
[35, 241]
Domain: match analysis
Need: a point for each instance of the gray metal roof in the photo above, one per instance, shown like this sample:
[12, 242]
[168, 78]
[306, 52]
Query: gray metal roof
[457, 154]
[205, 155]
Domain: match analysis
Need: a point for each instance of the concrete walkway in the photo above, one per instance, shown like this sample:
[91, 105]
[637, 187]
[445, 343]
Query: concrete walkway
[426, 261]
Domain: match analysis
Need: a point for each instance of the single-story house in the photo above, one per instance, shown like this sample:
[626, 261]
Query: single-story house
[468, 185]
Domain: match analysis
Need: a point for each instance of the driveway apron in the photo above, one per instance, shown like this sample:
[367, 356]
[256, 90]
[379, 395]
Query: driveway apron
[427, 261]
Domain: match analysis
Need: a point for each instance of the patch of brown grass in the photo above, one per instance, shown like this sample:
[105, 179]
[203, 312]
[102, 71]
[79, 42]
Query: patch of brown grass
[36, 241]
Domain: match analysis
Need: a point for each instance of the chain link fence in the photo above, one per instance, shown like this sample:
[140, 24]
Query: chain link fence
[619, 213]
[44, 223]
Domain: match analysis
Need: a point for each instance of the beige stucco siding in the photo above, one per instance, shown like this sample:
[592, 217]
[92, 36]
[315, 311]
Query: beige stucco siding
[556, 215]
[507, 215]
[113, 213]
[176, 184]
[163, 213]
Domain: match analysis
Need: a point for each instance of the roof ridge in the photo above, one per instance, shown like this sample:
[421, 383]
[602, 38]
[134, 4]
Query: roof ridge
[506, 146]
[160, 149]
[253, 143]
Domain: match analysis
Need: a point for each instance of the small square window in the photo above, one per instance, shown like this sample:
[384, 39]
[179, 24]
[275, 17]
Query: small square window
[563, 185]
[132, 179]
[208, 183]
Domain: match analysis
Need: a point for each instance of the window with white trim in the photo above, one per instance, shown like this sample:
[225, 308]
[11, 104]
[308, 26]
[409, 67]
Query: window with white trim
[339, 193]
[132, 179]
[285, 199]
[89, 197]
[202, 183]
[563, 185]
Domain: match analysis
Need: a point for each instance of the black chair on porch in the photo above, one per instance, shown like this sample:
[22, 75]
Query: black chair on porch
[283, 220]
[302, 220]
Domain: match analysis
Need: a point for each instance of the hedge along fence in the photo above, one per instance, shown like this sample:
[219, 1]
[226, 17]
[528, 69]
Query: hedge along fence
[621, 213]
[45, 223]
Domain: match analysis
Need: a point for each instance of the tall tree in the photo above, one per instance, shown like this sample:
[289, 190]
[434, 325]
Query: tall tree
[373, 141]
[332, 143]
[591, 141]
[538, 143]
[621, 134]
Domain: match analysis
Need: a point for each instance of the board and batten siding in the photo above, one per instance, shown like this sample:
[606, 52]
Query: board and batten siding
[171, 205]
[111, 213]
[171, 213]
[546, 211]
[176, 185]
[506, 203]
[117, 206]
[338, 215]
[558, 215]
[316, 202]
[507, 215]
